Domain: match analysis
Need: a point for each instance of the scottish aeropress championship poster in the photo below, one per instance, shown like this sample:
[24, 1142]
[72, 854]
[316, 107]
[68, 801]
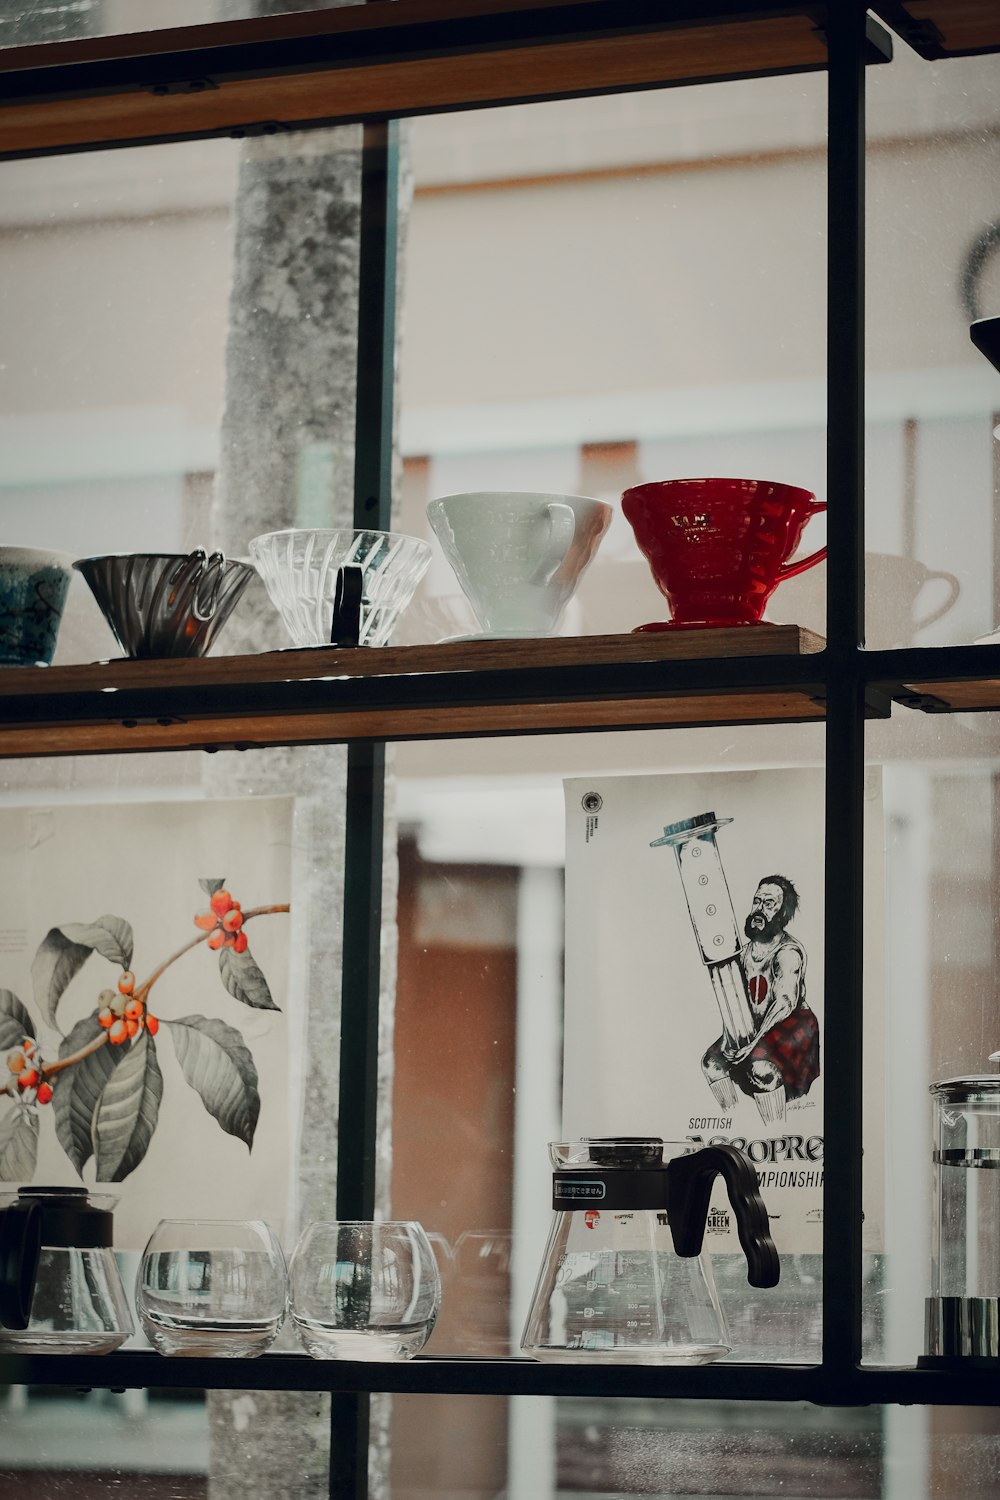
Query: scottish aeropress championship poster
[695, 976]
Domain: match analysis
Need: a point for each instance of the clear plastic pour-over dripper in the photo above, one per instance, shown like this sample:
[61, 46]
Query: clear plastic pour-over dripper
[623, 1277]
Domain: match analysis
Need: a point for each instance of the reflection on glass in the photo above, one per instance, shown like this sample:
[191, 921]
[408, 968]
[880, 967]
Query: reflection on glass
[598, 294]
[22, 22]
[932, 398]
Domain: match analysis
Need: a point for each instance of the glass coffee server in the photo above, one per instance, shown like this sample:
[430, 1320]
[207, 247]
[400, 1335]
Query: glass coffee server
[864, 695]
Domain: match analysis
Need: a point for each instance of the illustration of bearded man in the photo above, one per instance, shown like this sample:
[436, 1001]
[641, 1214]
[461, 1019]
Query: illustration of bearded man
[781, 1059]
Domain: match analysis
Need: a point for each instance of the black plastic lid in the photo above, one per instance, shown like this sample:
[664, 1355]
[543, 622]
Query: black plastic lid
[636, 1151]
[69, 1220]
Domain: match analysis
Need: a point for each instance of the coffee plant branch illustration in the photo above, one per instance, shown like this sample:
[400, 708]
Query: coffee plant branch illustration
[105, 1085]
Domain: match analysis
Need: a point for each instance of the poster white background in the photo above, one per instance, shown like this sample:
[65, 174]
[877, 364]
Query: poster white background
[142, 862]
[640, 1010]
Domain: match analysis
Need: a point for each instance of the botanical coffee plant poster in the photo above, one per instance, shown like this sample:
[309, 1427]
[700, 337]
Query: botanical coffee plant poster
[694, 979]
[144, 1030]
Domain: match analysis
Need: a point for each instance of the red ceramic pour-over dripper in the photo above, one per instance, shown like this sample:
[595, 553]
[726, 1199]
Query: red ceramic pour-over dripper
[718, 548]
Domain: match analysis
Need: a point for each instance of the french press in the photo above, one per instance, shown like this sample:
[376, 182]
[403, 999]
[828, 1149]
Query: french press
[963, 1310]
[624, 1277]
[60, 1289]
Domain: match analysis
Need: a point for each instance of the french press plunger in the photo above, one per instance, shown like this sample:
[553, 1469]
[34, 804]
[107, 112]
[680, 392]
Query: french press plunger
[963, 1310]
[624, 1277]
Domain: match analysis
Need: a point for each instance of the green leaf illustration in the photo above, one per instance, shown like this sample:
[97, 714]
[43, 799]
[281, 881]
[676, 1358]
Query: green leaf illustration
[15, 1021]
[111, 937]
[211, 886]
[244, 980]
[18, 1145]
[218, 1065]
[77, 1090]
[64, 950]
[128, 1111]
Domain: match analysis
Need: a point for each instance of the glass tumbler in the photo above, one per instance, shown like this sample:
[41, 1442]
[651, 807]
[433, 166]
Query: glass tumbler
[361, 1290]
[212, 1287]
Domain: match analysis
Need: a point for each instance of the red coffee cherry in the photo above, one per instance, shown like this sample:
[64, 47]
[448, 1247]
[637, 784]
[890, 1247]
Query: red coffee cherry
[233, 920]
[117, 1032]
[152, 1025]
[134, 1009]
[216, 938]
[27, 1079]
[240, 943]
[44, 1093]
[106, 1017]
[220, 902]
[126, 983]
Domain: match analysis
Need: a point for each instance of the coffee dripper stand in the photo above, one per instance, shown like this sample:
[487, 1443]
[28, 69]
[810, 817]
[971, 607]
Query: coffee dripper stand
[962, 1312]
[624, 1278]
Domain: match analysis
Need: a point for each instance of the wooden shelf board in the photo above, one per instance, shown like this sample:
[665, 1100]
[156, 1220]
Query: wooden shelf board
[396, 60]
[959, 696]
[944, 28]
[328, 663]
[393, 693]
[257, 731]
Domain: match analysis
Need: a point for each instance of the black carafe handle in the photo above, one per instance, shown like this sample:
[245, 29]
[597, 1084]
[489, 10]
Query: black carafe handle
[347, 601]
[20, 1247]
[689, 1189]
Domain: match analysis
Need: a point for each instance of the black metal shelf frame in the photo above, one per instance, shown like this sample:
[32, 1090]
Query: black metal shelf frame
[844, 672]
[352, 1382]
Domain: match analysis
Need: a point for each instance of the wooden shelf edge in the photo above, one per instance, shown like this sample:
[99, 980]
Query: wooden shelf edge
[399, 60]
[260, 731]
[938, 29]
[456, 689]
[959, 696]
[329, 663]
[357, 19]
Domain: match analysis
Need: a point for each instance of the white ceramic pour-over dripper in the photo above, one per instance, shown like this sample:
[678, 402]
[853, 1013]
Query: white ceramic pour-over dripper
[518, 556]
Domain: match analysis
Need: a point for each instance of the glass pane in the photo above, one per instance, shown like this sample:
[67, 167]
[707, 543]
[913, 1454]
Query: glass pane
[59, 1442]
[495, 1050]
[598, 295]
[939, 776]
[931, 489]
[932, 398]
[62, 20]
[580, 317]
[169, 314]
[574, 1447]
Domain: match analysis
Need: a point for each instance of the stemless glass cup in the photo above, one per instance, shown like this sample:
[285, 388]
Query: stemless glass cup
[361, 1290]
[212, 1287]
